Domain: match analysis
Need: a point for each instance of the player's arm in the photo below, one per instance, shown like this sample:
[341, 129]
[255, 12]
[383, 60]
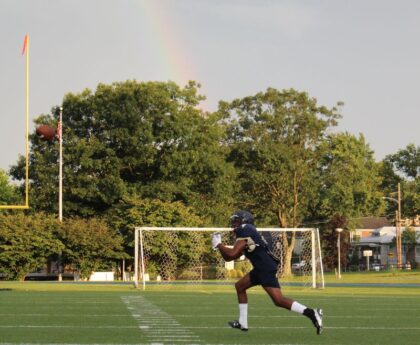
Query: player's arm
[230, 254]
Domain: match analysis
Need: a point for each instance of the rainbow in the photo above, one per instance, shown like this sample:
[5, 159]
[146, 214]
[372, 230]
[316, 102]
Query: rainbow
[174, 59]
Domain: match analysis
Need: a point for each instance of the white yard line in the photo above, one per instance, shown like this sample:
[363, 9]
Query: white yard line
[157, 343]
[178, 330]
[64, 315]
[158, 326]
[205, 316]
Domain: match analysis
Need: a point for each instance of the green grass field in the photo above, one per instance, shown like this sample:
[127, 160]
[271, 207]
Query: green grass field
[68, 313]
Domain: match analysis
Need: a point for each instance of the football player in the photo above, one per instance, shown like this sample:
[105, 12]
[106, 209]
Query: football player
[250, 243]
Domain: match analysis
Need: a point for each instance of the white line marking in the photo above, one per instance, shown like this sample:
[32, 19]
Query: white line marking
[158, 326]
[67, 315]
[156, 343]
[136, 316]
[211, 327]
[62, 326]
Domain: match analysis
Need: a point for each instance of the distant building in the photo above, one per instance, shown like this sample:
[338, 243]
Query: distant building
[366, 225]
[376, 237]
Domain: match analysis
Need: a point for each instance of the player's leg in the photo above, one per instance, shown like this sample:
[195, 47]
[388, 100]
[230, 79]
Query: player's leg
[277, 297]
[241, 286]
[315, 315]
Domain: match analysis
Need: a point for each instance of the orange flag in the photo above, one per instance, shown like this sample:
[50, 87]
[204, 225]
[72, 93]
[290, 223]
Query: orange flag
[25, 43]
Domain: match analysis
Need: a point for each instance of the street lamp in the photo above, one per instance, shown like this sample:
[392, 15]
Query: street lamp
[339, 230]
[398, 226]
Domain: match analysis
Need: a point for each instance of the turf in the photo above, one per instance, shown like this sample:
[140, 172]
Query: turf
[64, 313]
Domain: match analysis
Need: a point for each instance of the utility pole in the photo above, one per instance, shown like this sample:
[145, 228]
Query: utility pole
[397, 226]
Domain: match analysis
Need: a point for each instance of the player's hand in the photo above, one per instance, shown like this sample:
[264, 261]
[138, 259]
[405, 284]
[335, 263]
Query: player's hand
[216, 239]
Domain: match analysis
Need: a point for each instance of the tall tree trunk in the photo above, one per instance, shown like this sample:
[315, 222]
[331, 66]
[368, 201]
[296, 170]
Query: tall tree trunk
[288, 243]
[287, 246]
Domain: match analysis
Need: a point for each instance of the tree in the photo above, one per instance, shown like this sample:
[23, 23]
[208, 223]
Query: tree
[407, 161]
[26, 242]
[275, 139]
[130, 138]
[43, 159]
[349, 189]
[8, 192]
[134, 212]
[403, 167]
[90, 245]
[329, 240]
[350, 179]
[410, 237]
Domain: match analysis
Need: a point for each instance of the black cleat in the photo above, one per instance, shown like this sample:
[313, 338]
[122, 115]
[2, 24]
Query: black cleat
[236, 324]
[317, 320]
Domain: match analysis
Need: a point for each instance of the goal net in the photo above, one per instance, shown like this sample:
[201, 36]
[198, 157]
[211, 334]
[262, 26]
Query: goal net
[165, 255]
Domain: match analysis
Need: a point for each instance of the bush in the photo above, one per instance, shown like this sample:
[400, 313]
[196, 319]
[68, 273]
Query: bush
[26, 242]
[243, 266]
[90, 245]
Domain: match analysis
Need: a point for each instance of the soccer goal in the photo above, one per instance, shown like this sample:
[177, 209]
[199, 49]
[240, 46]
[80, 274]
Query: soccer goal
[165, 255]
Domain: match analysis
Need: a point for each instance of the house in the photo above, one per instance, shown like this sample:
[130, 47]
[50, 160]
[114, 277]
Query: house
[367, 225]
[376, 247]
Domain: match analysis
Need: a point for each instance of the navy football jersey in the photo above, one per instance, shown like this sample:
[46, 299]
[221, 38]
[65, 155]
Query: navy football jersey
[255, 250]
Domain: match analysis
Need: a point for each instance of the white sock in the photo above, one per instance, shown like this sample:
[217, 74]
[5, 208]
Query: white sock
[297, 307]
[243, 314]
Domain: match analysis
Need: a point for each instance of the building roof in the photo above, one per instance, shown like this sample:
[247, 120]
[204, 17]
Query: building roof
[383, 235]
[373, 222]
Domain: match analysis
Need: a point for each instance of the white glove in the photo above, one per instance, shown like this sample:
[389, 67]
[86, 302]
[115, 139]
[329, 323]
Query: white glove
[216, 239]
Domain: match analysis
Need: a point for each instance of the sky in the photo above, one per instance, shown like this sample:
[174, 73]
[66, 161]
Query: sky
[365, 53]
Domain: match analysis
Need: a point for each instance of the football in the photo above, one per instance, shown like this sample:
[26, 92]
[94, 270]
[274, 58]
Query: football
[45, 132]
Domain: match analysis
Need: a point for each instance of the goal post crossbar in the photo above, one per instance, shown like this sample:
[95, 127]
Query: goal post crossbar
[314, 258]
[145, 228]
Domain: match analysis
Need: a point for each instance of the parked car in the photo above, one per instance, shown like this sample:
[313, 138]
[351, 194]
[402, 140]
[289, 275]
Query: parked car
[376, 267]
[298, 265]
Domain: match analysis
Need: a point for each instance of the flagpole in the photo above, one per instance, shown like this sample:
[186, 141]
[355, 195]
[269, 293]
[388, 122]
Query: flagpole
[60, 183]
[27, 123]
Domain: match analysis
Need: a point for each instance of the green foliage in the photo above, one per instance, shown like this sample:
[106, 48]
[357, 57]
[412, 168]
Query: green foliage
[243, 267]
[26, 242]
[329, 240]
[144, 153]
[275, 138]
[134, 211]
[406, 161]
[403, 167]
[145, 138]
[350, 179]
[90, 245]
[411, 198]
[8, 192]
[410, 236]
